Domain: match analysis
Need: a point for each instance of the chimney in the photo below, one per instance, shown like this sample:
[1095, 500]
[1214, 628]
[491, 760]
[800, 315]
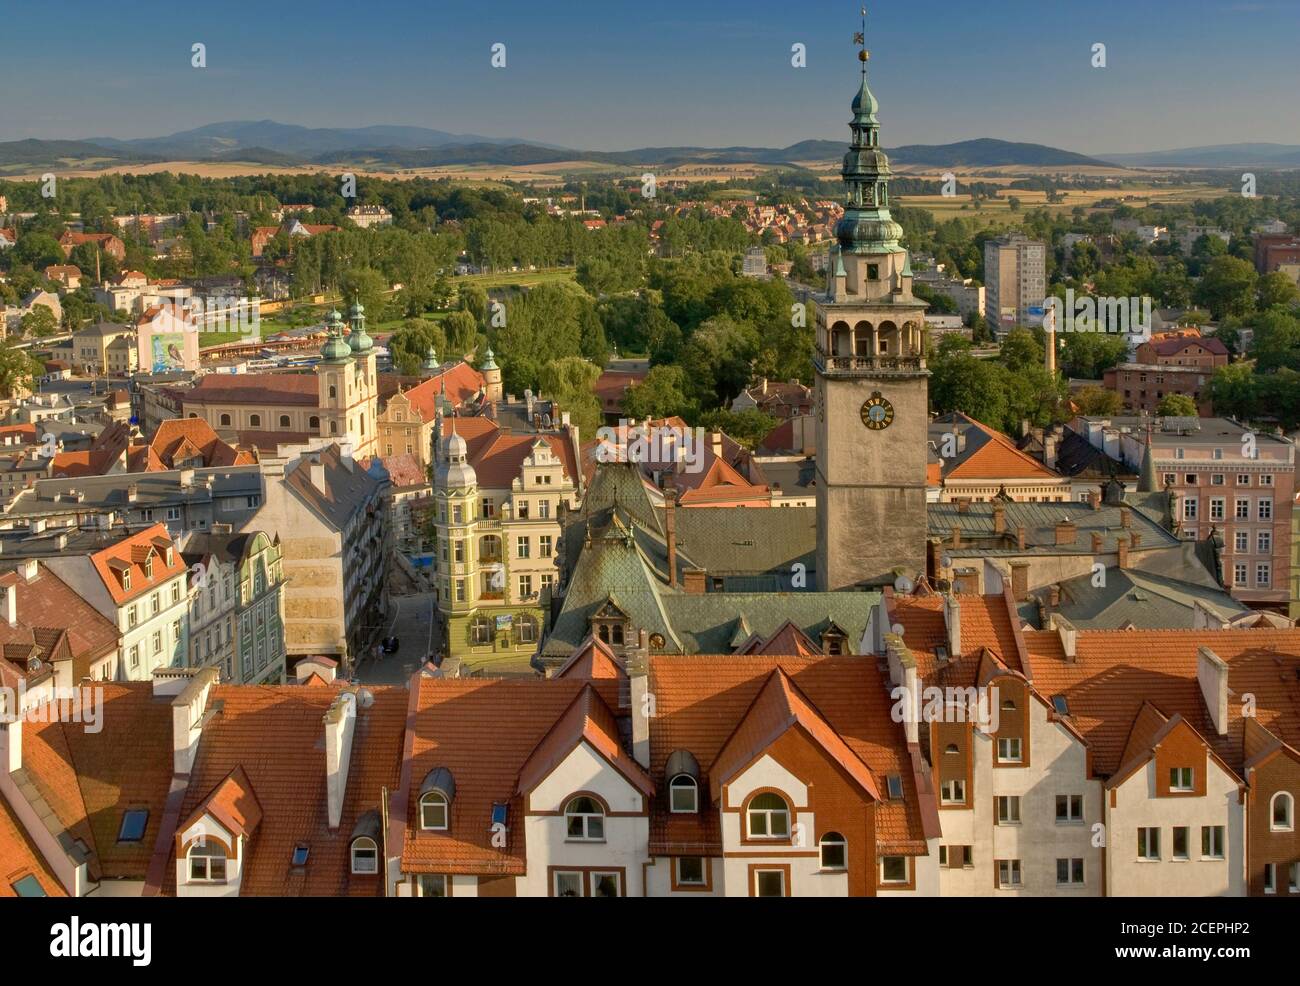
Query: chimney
[670, 527]
[963, 505]
[715, 444]
[1019, 580]
[637, 664]
[1121, 549]
[1069, 637]
[11, 603]
[191, 688]
[1049, 451]
[132, 492]
[1212, 674]
[999, 517]
[1054, 597]
[38, 525]
[956, 536]
[340, 724]
[1094, 499]
[693, 581]
[318, 475]
[1136, 538]
[952, 622]
[902, 672]
[1097, 541]
[30, 568]
[187, 478]
[1066, 532]
[1020, 537]
[1125, 518]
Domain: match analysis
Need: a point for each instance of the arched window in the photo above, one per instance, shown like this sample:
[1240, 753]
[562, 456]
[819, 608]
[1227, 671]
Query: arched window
[951, 748]
[314, 423]
[254, 421]
[769, 817]
[584, 820]
[1009, 704]
[835, 854]
[333, 391]
[1282, 812]
[433, 811]
[225, 420]
[683, 794]
[207, 859]
[365, 856]
[616, 634]
[284, 421]
[193, 414]
[334, 427]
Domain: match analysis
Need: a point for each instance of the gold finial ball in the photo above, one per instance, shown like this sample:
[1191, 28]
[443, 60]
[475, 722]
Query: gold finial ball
[863, 55]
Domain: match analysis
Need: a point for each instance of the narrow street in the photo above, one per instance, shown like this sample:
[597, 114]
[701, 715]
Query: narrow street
[416, 629]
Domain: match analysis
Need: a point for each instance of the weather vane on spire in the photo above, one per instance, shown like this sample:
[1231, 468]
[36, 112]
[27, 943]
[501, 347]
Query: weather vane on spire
[860, 39]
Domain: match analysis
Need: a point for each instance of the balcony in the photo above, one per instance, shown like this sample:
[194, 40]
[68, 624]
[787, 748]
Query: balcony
[903, 365]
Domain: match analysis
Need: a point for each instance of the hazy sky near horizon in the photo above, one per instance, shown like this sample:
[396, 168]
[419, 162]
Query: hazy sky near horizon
[614, 75]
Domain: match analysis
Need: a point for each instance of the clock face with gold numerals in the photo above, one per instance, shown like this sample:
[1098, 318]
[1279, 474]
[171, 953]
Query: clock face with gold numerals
[877, 413]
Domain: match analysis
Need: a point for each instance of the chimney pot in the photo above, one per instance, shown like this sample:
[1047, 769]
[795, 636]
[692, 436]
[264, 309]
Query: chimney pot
[1020, 538]
[999, 518]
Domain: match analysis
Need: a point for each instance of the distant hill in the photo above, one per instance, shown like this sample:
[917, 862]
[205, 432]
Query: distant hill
[1215, 156]
[30, 153]
[986, 152]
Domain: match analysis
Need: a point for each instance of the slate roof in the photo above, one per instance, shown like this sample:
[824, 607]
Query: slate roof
[1141, 599]
[1039, 521]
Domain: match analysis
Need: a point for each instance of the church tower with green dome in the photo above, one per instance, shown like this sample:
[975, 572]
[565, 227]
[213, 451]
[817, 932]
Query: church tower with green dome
[870, 383]
[347, 382]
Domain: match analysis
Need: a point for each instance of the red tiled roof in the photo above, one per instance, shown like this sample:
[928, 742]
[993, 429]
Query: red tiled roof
[232, 803]
[120, 557]
[90, 779]
[498, 458]
[483, 731]
[462, 382]
[20, 858]
[588, 719]
[269, 739]
[52, 617]
[182, 438]
[700, 701]
[262, 389]
[592, 660]
[998, 458]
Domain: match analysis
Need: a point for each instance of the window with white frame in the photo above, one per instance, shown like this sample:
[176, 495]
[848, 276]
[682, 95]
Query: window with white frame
[1266, 479]
[1281, 812]
[893, 869]
[1008, 808]
[1263, 575]
[1069, 808]
[1009, 873]
[690, 871]
[1189, 508]
[584, 820]
[1243, 479]
[1242, 508]
[1148, 843]
[1240, 573]
[1212, 841]
[1009, 749]
[1241, 542]
[433, 811]
[207, 862]
[1265, 508]
[1069, 871]
[1264, 543]
[365, 856]
[432, 885]
[1180, 778]
[953, 792]
[1217, 504]
[683, 795]
[768, 817]
[834, 851]
[1181, 842]
[769, 883]
[1270, 878]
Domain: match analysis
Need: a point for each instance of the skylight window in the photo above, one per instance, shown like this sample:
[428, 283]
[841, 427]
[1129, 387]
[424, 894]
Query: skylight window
[300, 854]
[1060, 705]
[894, 783]
[499, 810]
[29, 886]
[133, 823]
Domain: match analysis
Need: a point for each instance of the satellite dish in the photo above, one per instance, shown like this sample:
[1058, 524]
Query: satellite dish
[903, 584]
[897, 629]
[365, 698]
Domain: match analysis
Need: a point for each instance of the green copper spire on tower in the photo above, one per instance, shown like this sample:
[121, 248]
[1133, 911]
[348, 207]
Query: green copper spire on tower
[336, 349]
[431, 359]
[489, 360]
[867, 226]
[358, 341]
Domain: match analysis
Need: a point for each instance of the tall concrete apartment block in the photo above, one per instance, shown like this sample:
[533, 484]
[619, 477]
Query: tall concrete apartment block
[1015, 279]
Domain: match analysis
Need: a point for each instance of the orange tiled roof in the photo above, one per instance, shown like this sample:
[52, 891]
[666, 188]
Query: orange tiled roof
[121, 557]
[588, 719]
[700, 701]
[592, 660]
[462, 383]
[183, 438]
[986, 622]
[58, 621]
[999, 458]
[483, 731]
[269, 739]
[20, 858]
[91, 779]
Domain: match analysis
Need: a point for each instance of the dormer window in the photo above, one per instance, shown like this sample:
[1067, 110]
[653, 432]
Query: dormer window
[434, 811]
[365, 856]
[683, 794]
[126, 578]
[207, 862]
[148, 567]
[1180, 778]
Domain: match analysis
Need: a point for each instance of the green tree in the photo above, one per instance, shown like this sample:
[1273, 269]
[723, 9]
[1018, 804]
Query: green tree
[17, 369]
[663, 393]
[1098, 401]
[1276, 342]
[1227, 286]
[367, 286]
[39, 323]
[1020, 350]
[748, 427]
[1176, 406]
[1275, 288]
[571, 382]
[1090, 354]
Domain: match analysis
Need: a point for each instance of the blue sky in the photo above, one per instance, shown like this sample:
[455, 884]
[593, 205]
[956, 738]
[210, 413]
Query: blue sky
[614, 74]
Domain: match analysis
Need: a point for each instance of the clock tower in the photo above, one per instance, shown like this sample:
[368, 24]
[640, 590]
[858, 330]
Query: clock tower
[871, 382]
